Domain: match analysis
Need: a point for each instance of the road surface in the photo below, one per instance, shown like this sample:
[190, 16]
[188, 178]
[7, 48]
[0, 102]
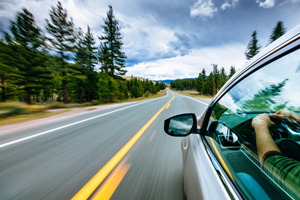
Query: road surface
[117, 153]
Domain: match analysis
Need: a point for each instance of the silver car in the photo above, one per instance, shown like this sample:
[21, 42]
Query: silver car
[246, 144]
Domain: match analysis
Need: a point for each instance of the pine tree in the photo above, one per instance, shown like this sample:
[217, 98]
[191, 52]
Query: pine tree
[201, 81]
[253, 47]
[63, 39]
[278, 31]
[111, 57]
[232, 71]
[86, 58]
[27, 43]
[8, 72]
[223, 78]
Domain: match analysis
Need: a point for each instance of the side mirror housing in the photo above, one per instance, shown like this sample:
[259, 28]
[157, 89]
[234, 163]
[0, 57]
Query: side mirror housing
[181, 125]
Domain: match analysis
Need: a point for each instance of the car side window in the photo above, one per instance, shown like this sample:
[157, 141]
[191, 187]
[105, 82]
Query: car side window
[255, 131]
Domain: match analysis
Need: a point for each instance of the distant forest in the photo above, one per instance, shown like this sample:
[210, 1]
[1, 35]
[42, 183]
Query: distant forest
[206, 85]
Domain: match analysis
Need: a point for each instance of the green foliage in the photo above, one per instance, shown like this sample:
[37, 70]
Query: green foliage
[108, 88]
[253, 47]
[278, 31]
[26, 43]
[63, 39]
[232, 71]
[111, 57]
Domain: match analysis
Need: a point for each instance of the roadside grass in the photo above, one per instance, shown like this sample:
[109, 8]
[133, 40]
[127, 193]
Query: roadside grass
[26, 117]
[192, 93]
[13, 112]
[197, 95]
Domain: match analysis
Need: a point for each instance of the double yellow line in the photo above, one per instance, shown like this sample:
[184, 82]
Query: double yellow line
[93, 184]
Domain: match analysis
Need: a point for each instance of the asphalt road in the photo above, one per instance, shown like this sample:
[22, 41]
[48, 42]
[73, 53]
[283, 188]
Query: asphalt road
[117, 153]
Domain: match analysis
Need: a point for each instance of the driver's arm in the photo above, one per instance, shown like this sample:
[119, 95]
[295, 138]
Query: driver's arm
[264, 141]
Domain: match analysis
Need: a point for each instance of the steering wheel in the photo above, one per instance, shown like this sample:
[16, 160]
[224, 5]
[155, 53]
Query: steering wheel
[282, 136]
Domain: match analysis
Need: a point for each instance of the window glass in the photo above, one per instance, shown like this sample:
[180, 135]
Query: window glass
[255, 131]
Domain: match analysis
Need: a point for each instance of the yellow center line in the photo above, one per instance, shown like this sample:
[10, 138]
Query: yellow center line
[89, 188]
[168, 106]
[220, 158]
[111, 184]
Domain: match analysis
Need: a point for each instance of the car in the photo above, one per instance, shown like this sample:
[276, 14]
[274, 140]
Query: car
[234, 151]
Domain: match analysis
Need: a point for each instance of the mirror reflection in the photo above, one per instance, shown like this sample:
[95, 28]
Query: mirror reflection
[181, 125]
[226, 136]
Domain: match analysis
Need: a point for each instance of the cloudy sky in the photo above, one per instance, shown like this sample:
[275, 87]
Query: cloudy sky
[169, 39]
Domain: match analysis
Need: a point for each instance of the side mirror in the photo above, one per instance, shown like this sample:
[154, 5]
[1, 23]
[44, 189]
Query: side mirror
[181, 125]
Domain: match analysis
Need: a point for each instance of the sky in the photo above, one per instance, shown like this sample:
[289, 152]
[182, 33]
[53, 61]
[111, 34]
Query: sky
[171, 39]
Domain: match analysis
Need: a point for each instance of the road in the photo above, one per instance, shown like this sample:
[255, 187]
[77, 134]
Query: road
[117, 153]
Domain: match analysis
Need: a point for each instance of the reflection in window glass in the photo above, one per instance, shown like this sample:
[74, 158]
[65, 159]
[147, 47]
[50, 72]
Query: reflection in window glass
[269, 158]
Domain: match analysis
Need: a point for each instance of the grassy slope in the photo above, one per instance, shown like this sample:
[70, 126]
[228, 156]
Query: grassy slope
[25, 117]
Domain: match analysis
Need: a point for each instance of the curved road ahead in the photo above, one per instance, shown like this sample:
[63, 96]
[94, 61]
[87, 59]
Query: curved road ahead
[117, 153]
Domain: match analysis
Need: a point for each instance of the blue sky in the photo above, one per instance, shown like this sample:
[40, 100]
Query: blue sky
[172, 39]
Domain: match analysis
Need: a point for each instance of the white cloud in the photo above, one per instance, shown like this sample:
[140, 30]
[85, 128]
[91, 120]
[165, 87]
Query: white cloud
[189, 66]
[229, 4]
[266, 3]
[203, 9]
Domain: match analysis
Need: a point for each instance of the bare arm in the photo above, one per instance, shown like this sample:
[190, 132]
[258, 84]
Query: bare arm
[264, 141]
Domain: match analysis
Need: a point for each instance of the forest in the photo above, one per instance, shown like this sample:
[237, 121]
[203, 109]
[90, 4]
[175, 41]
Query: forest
[65, 64]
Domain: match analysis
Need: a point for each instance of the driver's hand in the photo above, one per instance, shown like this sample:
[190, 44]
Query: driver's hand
[261, 121]
[282, 114]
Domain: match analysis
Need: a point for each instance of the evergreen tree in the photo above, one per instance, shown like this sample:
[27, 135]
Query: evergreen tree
[63, 39]
[208, 85]
[232, 71]
[8, 72]
[112, 59]
[27, 44]
[223, 78]
[253, 47]
[278, 31]
[86, 58]
[108, 88]
[201, 81]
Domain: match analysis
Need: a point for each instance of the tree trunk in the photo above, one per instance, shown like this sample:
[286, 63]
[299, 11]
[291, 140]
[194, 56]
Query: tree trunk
[28, 97]
[64, 82]
[81, 94]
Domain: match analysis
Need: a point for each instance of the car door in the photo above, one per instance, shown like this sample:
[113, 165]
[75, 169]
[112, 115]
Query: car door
[270, 92]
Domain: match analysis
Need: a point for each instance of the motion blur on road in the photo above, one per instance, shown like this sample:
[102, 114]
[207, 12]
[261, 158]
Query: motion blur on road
[118, 152]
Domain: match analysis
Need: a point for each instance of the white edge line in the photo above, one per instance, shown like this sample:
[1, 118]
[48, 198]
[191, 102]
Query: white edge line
[55, 129]
[193, 99]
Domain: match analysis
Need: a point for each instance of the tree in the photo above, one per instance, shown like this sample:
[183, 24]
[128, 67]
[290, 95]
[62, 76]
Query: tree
[223, 78]
[86, 58]
[253, 47]
[8, 72]
[112, 59]
[232, 71]
[201, 81]
[63, 39]
[278, 31]
[27, 43]
[208, 85]
[108, 88]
